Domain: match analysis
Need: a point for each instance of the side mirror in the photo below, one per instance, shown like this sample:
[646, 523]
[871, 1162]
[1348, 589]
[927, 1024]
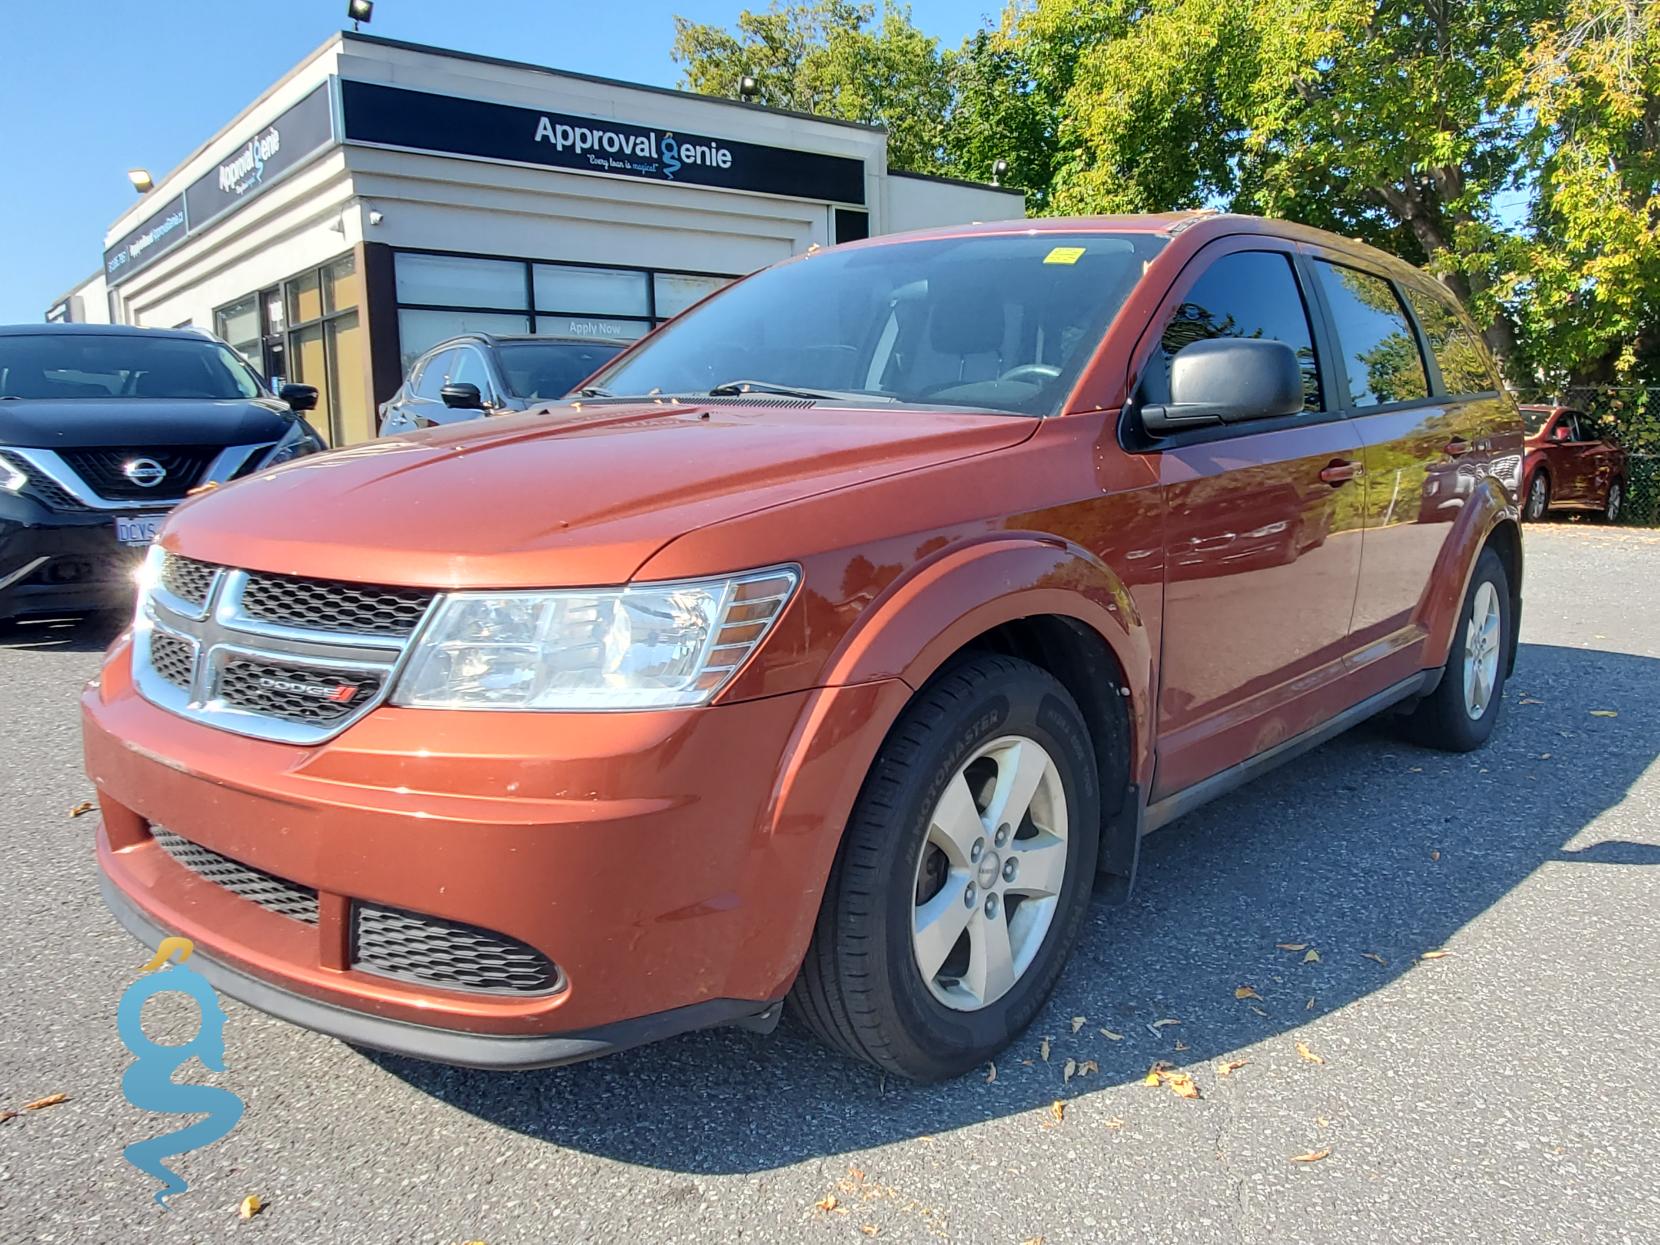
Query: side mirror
[462, 397]
[1228, 380]
[299, 397]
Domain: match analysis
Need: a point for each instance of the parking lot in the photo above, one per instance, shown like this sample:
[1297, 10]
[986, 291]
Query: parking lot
[1436, 978]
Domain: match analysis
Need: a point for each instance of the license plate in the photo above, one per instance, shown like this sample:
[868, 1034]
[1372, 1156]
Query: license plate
[137, 529]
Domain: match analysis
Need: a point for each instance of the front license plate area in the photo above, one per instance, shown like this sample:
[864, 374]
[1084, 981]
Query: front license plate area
[137, 529]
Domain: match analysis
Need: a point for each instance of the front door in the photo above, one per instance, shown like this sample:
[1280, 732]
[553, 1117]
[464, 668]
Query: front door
[1262, 534]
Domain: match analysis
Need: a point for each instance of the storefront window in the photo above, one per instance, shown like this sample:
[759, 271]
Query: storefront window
[591, 326]
[420, 331]
[305, 299]
[595, 291]
[342, 286]
[454, 281]
[678, 291]
[238, 324]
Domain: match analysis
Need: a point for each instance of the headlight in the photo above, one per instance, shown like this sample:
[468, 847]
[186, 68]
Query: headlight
[645, 646]
[297, 442]
[11, 479]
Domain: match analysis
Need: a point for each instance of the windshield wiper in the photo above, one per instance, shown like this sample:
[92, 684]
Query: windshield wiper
[594, 391]
[737, 388]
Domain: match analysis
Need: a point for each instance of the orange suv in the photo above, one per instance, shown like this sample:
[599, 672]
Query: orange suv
[822, 652]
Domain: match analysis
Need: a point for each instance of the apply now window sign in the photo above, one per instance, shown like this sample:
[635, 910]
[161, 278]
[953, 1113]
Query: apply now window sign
[422, 121]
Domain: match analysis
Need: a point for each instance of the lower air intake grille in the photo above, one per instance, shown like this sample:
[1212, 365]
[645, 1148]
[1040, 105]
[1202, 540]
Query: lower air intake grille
[293, 693]
[173, 658]
[272, 893]
[448, 954]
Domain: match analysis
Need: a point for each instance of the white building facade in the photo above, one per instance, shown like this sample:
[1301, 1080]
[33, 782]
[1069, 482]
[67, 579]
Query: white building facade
[383, 196]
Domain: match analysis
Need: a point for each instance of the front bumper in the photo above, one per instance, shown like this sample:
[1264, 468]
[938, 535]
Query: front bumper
[61, 560]
[670, 863]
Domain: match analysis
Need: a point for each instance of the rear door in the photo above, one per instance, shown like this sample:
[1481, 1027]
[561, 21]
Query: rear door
[1262, 531]
[1424, 405]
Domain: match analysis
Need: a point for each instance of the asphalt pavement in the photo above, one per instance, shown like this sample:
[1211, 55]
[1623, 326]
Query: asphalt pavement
[1438, 978]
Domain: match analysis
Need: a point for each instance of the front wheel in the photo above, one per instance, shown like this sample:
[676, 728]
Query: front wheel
[964, 875]
[1611, 507]
[1538, 498]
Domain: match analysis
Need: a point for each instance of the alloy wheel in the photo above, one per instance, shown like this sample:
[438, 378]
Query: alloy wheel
[1537, 498]
[990, 872]
[1611, 512]
[1482, 636]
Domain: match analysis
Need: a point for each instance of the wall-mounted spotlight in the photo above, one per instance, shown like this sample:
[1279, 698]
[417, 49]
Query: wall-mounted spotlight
[141, 180]
[999, 170]
[360, 11]
[748, 87]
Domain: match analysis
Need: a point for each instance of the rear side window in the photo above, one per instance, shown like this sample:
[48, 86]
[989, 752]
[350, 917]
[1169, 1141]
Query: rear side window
[1252, 294]
[1463, 367]
[1374, 335]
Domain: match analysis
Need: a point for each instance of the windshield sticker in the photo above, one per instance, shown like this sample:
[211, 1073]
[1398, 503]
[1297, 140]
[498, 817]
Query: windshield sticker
[1064, 255]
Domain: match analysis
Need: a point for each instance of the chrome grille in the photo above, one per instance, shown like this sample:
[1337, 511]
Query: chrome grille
[434, 952]
[329, 605]
[291, 692]
[186, 578]
[43, 487]
[173, 657]
[276, 656]
[105, 470]
[270, 892]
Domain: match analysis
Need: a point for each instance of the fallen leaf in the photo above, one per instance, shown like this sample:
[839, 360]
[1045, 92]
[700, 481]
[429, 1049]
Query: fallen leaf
[1110, 1035]
[1044, 1050]
[82, 809]
[1068, 1072]
[826, 1204]
[1373, 955]
[857, 1173]
[1435, 955]
[1435, 855]
[1088, 1066]
[1416, 769]
[1058, 1110]
[1155, 1074]
[1229, 1067]
[51, 1100]
[1313, 957]
[1292, 946]
[1306, 1053]
[1321, 1121]
[1182, 1084]
[870, 1229]
[991, 1073]
[1115, 1122]
[1259, 1011]
[7, 1115]
[1159, 1024]
[1078, 1022]
[1529, 700]
[1246, 992]
[1313, 1156]
[1180, 1045]
[1032, 1240]
[251, 1206]
[1605, 713]
[1544, 756]
[1309, 1006]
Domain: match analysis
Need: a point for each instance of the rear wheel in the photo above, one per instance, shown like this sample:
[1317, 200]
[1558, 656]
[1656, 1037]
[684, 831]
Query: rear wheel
[963, 878]
[1538, 498]
[1462, 711]
[1616, 498]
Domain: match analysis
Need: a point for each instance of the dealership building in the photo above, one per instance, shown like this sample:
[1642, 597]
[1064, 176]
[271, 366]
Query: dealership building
[383, 196]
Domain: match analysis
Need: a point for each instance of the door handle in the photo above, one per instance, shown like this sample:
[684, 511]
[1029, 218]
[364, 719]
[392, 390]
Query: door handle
[1339, 471]
[1457, 447]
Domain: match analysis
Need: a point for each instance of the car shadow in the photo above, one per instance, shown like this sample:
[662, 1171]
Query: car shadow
[64, 633]
[1367, 851]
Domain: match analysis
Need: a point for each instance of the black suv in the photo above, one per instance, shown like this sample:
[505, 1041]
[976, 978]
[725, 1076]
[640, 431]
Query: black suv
[102, 430]
[490, 374]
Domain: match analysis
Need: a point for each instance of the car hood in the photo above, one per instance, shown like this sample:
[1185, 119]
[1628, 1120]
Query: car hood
[565, 496]
[82, 423]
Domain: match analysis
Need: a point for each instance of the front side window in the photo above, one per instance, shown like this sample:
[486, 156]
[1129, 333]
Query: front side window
[57, 366]
[1463, 366]
[1374, 335]
[998, 323]
[470, 369]
[1249, 294]
[434, 374]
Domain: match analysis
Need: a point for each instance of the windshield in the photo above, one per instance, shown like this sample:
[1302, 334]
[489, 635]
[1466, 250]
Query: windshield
[1534, 419]
[992, 322]
[551, 369]
[78, 365]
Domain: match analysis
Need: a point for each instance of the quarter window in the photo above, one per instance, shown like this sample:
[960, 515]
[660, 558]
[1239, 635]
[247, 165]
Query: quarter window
[1463, 366]
[1374, 335]
[1250, 294]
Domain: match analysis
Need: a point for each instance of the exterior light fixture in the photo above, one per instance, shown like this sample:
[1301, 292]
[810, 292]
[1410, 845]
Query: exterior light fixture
[999, 170]
[360, 11]
[748, 87]
[141, 180]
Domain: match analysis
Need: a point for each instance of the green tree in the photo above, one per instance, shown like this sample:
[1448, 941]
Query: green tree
[832, 58]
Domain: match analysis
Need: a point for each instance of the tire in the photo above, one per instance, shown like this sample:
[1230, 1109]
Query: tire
[862, 988]
[1612, 505]
[1538, 497]
[1445, 718]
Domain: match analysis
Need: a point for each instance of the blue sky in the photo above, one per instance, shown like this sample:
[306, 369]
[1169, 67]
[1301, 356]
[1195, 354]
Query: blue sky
[92, 88]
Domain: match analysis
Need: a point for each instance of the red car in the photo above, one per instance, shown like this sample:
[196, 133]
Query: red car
[823, 651]
[1568, 466]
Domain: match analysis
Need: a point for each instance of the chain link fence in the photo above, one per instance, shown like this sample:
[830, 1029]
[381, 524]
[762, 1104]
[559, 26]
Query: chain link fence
[1629, 416]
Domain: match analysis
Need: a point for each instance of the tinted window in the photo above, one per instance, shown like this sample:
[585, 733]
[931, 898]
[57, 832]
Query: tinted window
[78, 365]
[1463, 366]
[1534, 419]
[551, 369]
[1374, 335]
[433, 373]
[470, 369]
[996, 322]
[1250, 294]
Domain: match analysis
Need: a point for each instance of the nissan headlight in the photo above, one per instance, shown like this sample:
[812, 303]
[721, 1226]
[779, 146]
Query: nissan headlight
[297, 442]
[646, 646]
